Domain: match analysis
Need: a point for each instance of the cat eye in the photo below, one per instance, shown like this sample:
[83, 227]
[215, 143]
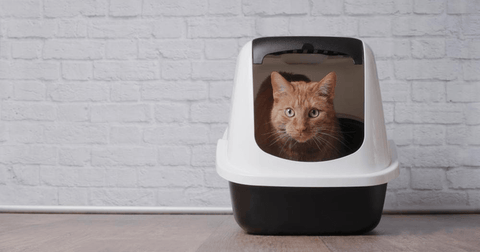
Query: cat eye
[289, 112]
[314, 113]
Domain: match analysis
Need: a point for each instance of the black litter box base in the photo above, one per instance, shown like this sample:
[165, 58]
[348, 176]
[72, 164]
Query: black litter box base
[307, 211]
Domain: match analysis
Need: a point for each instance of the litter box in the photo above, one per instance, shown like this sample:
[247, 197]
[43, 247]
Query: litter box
[274, 195]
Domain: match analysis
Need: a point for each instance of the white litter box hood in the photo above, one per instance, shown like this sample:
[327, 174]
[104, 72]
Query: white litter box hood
[240, 160]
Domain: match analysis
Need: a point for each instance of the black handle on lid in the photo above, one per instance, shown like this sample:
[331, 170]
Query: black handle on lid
[268, 45]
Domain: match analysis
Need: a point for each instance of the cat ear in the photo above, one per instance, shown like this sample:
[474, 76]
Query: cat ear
[280, 85]
[326, 87]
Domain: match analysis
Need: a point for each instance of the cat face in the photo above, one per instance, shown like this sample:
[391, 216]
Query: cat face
[303, 111]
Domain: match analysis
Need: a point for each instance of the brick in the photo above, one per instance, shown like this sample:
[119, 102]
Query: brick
[428, 48]
[472, 114]
[210, 112]
[71, 28]
[124, 92]
[472, 157]
[221, 49]
[174, 8]
[429, 113]
[213, 70]
[463, 92]
[364, 7]
[211, 197]
[224, 7]
[6, 90]
[67, 49]
[388, 112]
[77, 70]
[401, 182]
[26, 133]
[176, 70]
[131, 28]
[25, 28]
[73, 112]
[3, 174]
[73, 8]
[441, 69]
[68, 196]
[384, 70]
[129, 70]
[212, 179]
[203, 155]
[463, 49]
[125, 135]
[406, 156]
[174, 155]
[395, 91]
[125, 8]
[463, 7]
[419, 26]
[185, 90]
[78, 91]
[272, 26]
[456, 135]
[169, 28]
[124, 156]
[268, 8]
[428, 91]
[319, 8]
[177, 177]
[402, 134]
[3, 133]
[474, 198]
[437, 199]
[171, 112]
[20, 8]
[120, 113]
[29, 70]
[172, 134]
[470, 25]
[73, 156]
[122, 197]
[5, 46]
[473, 135]
[327, 26]
[375, 27]
[29, 195]
[121, 177]
[471, 70]
[221, 27]
[390, 201]
[427, 179]
[173, 197]
[429, 134]
[28, 154]
[175, 50]
[389, 48]
[437, 156]
[29, 91]
[216, 132]
[28, 111]
[428, 7]
[76, 133]
[121, 49]
[25, 175]
[30, 49]
[220, 90]
[463, 178]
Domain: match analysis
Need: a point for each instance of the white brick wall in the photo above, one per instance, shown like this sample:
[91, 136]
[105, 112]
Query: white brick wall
[121, 102]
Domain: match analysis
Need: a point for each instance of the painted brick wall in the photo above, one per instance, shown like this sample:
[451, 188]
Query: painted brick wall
[120, 102]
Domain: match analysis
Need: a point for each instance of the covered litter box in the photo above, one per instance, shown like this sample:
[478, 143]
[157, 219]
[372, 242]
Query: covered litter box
[274, 194]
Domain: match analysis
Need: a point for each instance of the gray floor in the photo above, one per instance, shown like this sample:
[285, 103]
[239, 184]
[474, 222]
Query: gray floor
[76, 232]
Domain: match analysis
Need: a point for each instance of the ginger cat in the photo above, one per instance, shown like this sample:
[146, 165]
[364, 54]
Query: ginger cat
[295, 118]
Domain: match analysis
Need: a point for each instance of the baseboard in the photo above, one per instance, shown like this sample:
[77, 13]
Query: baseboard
[114, 210]
[182, 210]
